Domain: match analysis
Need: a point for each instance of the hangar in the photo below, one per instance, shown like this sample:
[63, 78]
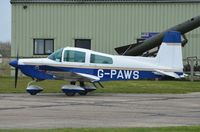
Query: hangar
[39, 27]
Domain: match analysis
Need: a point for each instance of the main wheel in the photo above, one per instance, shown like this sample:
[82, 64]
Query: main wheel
[83, 93]
[70, 93]
[33, 93]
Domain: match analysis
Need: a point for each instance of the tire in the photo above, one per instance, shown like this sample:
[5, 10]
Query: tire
[83, 93]
[70, 94]
[33, 93]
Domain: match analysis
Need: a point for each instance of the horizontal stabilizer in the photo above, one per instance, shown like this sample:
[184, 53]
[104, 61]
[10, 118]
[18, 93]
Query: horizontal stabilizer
[171, 74]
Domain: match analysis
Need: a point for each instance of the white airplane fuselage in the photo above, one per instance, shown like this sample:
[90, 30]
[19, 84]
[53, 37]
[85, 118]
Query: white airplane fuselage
[83, 65]
[86, 65]
[121, 67]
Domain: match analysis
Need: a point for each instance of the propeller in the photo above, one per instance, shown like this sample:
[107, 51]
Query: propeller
[14, 64]
[16, 70]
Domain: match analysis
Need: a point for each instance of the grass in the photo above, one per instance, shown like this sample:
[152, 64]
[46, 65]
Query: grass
[7, 85]
[145, 86]
[150, 86]
[159, 129]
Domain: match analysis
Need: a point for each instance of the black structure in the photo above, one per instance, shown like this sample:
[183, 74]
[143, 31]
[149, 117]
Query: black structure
[155, 41]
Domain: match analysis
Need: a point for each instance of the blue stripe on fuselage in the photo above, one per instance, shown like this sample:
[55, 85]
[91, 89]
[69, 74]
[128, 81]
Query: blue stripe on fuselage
[34, 72]
[103, 74]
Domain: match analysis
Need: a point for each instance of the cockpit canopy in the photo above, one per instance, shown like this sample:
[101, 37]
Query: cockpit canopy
[56, 56]
[73, 55]
[99, 59]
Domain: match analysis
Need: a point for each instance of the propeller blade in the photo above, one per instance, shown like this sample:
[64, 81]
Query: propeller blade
[16, 76]
[16, 69]
[17, 55]
[14, 63]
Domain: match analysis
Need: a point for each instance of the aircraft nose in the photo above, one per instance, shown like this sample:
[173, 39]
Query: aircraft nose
[14, 63]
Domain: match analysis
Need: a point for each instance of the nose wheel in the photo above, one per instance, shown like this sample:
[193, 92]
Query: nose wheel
[33, 89]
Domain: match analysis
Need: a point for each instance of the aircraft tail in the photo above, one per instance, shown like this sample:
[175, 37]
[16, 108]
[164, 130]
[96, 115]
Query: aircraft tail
[170, 52]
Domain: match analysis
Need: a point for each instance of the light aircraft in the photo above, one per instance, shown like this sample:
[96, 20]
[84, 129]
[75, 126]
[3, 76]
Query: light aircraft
[83, 65]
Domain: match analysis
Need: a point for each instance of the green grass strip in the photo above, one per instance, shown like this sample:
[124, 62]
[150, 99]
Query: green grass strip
[154, 129]
[136, 86]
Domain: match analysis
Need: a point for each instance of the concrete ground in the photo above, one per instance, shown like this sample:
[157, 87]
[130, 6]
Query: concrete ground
[99, 110]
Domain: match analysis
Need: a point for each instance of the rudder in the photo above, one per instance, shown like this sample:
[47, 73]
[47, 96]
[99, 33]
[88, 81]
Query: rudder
[170, 52]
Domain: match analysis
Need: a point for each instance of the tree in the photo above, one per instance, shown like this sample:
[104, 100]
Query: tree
[5, 49]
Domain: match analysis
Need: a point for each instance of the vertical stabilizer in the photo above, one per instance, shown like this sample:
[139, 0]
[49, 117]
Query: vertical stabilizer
[170, 52]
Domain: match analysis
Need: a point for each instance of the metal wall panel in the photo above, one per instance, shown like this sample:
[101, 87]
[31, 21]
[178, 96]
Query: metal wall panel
[107, 25]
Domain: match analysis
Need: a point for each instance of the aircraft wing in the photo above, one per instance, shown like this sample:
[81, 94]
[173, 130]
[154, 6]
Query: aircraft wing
[171, 74]
[92, 78]
[74, 76]
[60, 73]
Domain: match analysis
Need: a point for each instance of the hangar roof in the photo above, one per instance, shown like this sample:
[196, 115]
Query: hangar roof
[104, 1]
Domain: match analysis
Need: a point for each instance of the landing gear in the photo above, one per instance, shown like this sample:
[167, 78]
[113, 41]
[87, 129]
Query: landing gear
[33, 89]
[73, 82]
[83, 93]
[72, 89]
[70, 93]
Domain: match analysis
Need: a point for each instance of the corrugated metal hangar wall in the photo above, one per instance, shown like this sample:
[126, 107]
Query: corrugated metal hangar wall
[107, 24]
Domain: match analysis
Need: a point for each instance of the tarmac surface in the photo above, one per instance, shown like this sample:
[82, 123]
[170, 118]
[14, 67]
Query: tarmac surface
[98, 110]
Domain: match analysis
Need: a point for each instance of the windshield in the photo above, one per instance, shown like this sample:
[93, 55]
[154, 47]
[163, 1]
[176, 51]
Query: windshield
[56, 56]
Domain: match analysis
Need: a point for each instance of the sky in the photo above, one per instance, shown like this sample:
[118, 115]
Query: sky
[5, 20]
